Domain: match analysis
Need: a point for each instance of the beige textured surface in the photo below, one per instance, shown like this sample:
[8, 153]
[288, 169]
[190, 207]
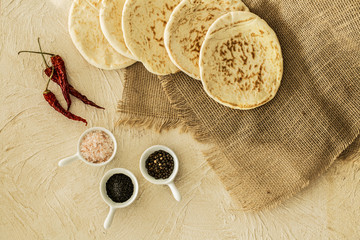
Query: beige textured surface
[187, 27]
[38, 200]
[240, 61]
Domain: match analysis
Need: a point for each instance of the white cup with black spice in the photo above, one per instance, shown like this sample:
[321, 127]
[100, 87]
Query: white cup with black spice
[96, 147]
[159, 165]
[118, 188]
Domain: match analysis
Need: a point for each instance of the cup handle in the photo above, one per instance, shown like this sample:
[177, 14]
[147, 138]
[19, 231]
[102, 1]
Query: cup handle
[68, 160]
[175, 191]
[109, 218]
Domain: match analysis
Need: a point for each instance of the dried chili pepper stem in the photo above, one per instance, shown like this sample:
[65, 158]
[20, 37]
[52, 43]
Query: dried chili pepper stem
[42, 52]
[45, 53]
[52, 68]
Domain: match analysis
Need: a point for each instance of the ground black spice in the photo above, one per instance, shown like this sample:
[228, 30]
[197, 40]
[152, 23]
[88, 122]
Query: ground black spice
[160, 164]
[119, 188]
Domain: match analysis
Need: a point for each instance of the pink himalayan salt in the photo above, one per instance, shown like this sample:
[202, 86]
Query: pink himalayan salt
[96, 146]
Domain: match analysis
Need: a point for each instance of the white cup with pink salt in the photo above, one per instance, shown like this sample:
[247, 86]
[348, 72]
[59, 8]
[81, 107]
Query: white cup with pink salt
[96, 147]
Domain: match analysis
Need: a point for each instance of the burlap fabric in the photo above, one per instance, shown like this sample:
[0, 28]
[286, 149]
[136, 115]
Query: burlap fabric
[267, 154]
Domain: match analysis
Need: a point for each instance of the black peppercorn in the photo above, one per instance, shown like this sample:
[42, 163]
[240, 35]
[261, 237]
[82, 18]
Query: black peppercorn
[160, 164]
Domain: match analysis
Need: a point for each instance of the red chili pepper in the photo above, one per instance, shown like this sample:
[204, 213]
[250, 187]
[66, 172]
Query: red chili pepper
[59, 66]
[51, 99]
[57, 73]
[72, 90]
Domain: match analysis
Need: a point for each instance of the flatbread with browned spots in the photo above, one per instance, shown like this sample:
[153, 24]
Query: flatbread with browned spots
[241, 64]
[143, 24]
[110, 22]
[85, 32]
[187, 27]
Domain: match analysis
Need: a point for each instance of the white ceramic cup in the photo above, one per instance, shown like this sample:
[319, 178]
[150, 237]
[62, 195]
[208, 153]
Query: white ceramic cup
[78, 156]
[170, 180]
[114, 205]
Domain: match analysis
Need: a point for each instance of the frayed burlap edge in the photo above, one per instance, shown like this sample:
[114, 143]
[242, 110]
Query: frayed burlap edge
[184, 112]
[218, 160]
[146, 122]
[129, 115]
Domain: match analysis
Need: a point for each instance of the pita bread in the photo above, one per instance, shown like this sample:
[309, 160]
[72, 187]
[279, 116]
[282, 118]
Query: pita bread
[143, 25]
[95, 3]
[110, 22]
[241, 64]
[187, 27]
[85, 32]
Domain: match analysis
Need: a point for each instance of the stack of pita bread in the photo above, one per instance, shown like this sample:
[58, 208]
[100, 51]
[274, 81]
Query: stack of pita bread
[235, 53]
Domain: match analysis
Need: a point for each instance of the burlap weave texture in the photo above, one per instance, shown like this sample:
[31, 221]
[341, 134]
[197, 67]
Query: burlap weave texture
[267, 154]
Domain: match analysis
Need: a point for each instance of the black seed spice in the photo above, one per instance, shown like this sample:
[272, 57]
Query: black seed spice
[160, 164]
[119, 188]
